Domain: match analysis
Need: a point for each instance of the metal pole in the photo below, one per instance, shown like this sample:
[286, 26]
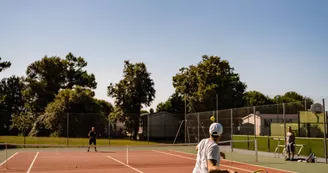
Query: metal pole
[148, 127]
[284, 117]
[217, 108]
[108, 132]
[198, 127]
[185, 117]
[231, 125]
[254, 113]
[6, 156]
[325, 129]
[67, 129]
[217, 101]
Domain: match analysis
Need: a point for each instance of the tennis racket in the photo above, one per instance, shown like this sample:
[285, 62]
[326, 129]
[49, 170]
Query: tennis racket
[260, 171]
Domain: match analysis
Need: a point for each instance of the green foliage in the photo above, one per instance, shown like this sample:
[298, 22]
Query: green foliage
[131, 93]
[255, 98]
[11, 101]
[4, 65]
[75, 75]
[82, 109]
[116, 115]
[106, 107]
[209, 77]
[23, 122]
[11, 96]
[175, 104]
[50, 74]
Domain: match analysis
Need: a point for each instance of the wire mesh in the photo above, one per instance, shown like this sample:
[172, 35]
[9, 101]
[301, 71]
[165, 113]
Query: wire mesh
[66, 157]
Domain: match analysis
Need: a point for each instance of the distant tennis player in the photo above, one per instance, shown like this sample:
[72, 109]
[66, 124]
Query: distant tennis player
[208, 152]
[92, 138]
[290, 142]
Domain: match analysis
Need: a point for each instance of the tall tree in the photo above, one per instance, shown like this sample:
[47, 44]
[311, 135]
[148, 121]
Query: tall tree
[82, 109]
[11, 100]
[210, 77]
[132, 92]
[4, 65]
[75, 75]
[44, 79]
[50, 74]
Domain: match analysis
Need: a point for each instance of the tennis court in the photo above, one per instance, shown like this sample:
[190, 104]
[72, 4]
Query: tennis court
[131, 159]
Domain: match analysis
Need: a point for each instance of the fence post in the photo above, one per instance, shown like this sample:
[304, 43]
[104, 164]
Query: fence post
[325, 129]
[254, 114]
[67, 135]
[231, 125]
[148, 127]
[109, 132]
[198, 127]
[284, 117]
[185, 118]
[6, 159]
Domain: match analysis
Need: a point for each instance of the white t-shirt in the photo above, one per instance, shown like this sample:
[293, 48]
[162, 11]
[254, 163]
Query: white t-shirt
[207, 150]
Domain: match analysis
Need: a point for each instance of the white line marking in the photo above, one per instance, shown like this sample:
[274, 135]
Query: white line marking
[8, 158]
[125, 164]
[29, 169]
[241, 162]
[195, 159]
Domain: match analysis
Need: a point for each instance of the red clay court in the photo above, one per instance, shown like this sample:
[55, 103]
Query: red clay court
[129, 161]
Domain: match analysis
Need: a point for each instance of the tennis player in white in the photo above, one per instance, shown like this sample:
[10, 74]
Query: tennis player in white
[208, 152]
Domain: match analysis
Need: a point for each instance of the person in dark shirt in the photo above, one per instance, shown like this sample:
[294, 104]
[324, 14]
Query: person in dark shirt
[92, 138]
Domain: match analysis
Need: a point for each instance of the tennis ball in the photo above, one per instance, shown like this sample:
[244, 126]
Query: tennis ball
[212, 118]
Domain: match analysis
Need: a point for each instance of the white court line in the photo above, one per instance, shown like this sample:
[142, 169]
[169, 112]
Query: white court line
[125, 164]
[29, 169]
[195, 159]
[8, 158]
[240, 162]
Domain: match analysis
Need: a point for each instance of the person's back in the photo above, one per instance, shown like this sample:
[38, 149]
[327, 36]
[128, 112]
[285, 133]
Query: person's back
[207, 150]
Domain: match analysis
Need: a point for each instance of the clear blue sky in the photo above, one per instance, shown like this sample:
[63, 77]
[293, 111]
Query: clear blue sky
[275, 46]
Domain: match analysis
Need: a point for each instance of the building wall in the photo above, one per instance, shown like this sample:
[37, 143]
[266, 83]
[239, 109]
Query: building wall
[163, 125]
[248, 124]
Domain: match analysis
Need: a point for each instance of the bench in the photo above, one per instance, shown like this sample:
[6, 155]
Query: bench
[284, 152]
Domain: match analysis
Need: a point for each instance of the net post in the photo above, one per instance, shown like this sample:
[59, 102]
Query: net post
[256, 151]
[231, 126]
[325, 129]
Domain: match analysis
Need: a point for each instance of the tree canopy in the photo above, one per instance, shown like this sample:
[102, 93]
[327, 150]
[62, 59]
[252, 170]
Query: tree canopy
[210, 77]
[4, 65]
[79, 107]
[47, 76]
[58, 90]
[134, 91]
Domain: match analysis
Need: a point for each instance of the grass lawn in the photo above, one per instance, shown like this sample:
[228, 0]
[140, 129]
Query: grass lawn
[71, 141]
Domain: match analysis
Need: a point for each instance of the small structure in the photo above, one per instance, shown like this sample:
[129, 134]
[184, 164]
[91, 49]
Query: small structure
[162, 125]
[261, 123]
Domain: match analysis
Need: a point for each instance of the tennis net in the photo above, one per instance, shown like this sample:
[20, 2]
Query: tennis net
[65, 157]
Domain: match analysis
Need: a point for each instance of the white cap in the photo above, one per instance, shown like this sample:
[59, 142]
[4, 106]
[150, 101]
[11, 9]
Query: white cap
[216, 129]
